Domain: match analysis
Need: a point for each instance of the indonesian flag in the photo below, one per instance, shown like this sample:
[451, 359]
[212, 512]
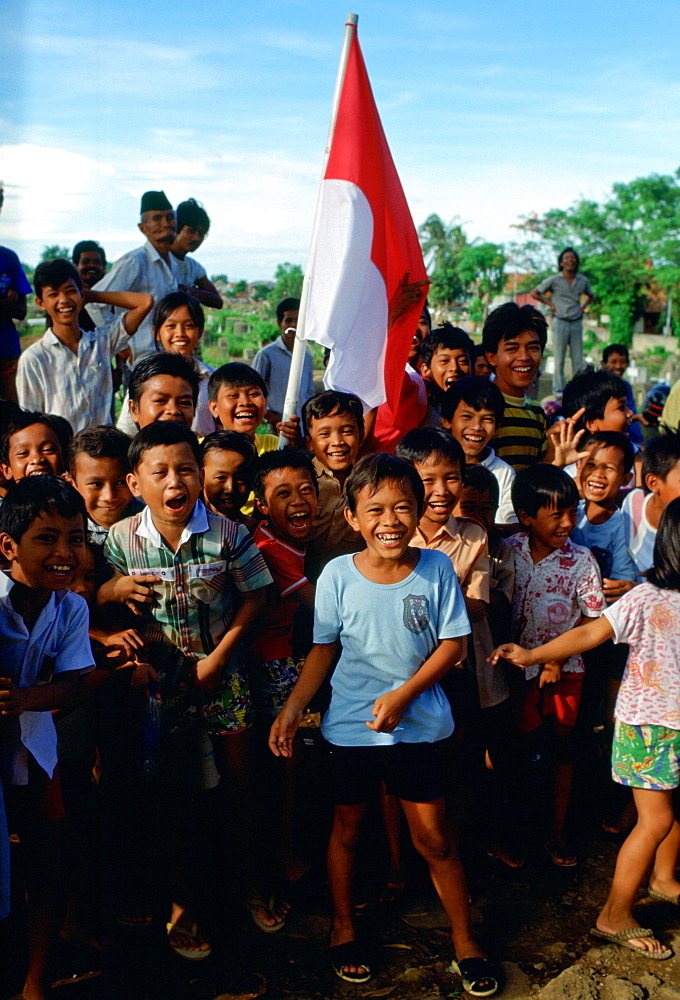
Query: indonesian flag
[365, 247]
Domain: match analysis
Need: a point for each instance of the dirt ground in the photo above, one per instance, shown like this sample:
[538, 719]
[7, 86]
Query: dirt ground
[535, 919]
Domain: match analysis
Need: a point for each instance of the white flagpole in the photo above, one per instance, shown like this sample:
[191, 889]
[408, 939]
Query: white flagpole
[299, 346]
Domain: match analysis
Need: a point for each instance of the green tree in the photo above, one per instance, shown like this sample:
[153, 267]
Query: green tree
[240, 286]
[219, 277]
[442, 246]
[288, 280]
[482, 271]
[627, 243]
[54, 251]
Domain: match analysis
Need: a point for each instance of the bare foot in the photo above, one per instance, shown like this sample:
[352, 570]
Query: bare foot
[507, 857]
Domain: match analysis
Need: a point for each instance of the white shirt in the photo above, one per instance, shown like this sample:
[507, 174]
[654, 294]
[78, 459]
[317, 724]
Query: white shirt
[505, 475]
[203, 422]
[139, 270]
[60, 635]
[52, 379]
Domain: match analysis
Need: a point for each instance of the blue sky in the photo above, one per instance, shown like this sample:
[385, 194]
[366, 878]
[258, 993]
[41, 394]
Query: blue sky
[492, 110]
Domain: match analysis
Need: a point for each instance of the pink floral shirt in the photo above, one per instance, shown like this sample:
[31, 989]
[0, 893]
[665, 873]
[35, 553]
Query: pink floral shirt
[552, 594]
[648, 618]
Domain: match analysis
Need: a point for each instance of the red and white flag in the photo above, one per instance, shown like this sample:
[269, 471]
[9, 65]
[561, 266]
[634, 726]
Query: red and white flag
[365, 246]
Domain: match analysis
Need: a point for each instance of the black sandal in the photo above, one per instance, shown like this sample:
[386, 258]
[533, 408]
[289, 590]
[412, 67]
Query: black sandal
[481, 977]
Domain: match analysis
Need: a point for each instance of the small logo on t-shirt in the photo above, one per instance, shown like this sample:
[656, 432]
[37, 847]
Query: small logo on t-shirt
[416, 613]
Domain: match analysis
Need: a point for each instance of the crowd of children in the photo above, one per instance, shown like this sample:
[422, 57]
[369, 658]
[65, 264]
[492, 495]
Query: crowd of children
[179, 598]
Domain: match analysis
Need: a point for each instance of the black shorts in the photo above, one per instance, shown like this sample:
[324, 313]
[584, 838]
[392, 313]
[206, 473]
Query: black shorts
[411, 771]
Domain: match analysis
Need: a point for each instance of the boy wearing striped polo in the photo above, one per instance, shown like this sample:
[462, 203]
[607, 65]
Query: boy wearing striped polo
[201, 580]
[514, 339]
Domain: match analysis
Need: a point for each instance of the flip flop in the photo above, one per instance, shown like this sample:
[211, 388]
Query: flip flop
[675, 900]
[623, 938]
[481, 976]
[349, 953]
[189, 934]
[254, 904]
[561, 859]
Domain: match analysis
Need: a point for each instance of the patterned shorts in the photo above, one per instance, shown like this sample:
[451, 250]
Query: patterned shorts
[229, 709]
[272, 681]
[646, 756]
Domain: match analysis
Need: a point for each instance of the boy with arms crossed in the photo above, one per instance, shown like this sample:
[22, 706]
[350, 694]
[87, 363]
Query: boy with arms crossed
[396, 617]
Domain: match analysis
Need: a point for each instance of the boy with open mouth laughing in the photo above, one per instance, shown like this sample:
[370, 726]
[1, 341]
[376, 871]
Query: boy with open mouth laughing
[204, 583]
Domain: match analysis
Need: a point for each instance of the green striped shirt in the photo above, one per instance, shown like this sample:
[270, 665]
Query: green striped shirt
[197, 596]
[520, 440]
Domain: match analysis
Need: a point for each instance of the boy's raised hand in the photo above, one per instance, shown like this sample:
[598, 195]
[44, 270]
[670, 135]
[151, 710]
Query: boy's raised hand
[283, 731]
[564, 440]
[388, 710]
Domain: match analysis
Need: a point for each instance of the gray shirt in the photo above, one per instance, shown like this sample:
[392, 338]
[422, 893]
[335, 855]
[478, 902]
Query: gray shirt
[566, 295]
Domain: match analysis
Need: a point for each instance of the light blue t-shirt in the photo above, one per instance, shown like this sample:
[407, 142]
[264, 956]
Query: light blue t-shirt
[607, 542]
[387, 631]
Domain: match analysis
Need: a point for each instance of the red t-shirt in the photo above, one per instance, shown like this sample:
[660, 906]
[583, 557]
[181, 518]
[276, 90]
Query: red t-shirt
[287, 566]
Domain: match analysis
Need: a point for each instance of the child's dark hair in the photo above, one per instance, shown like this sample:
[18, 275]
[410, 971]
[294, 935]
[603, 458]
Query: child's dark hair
[287, 458]
[543, 486]
[328, 402]
[479, 393]
[593, 390]
[286, 305]
[426, 313]
[422, 443]
[26, 418]
[229, 441]
[615, 349]
[174, 300]
[508, 321]
[448, 337]
[235, 375]
[87, 246]
[372, 471]
[611, 439]
[32, 496]
[190, 213]
[479, 478]
[163, 432]
[162, 363]
[53, 273]
[563, 255]
[100, 442]
[665, 572]
[662, 454]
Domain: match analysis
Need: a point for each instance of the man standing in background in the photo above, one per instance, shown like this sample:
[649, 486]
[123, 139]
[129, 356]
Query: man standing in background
[568, 295]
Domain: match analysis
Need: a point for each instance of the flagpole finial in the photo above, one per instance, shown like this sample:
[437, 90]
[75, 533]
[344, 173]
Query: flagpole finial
[352, 19]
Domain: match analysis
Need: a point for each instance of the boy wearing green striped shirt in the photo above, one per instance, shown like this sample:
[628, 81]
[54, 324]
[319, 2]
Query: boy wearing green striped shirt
[514, 339]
